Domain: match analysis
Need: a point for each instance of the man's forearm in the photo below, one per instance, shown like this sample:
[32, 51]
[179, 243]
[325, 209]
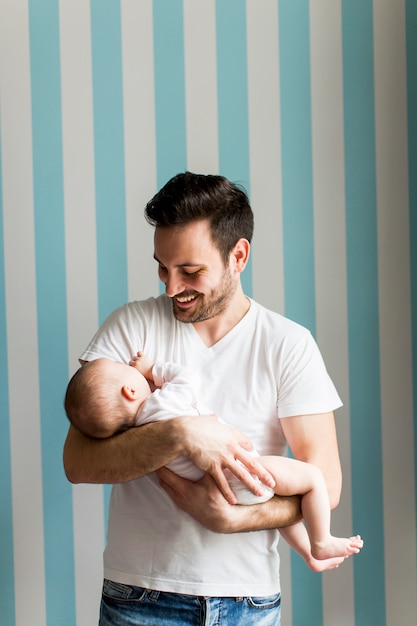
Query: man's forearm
[123, 457]
[206, 504]
[278, 512]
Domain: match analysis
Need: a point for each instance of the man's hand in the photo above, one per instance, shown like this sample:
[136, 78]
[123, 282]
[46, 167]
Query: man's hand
[214, 446]
[204, 502]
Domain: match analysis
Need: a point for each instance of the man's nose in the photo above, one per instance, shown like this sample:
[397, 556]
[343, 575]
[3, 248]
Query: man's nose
[173, 284]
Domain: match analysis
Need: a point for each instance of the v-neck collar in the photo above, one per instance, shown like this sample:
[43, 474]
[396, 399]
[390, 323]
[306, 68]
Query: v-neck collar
[224, 342]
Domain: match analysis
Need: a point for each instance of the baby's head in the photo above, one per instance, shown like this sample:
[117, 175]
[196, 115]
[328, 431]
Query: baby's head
[104, 396]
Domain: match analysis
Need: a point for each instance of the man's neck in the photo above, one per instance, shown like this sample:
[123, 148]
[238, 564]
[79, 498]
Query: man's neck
[213, 330]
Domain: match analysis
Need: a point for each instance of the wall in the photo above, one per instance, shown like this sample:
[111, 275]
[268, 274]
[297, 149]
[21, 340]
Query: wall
[312, 108]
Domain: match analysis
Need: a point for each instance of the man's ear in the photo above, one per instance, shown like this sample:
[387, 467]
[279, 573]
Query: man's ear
[129, 393]
[240, 255]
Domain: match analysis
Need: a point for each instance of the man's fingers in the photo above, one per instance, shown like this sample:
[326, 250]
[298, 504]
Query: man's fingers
[168, 478]
[247, 468]
[244, 442]
[175, 485]
[223, 485]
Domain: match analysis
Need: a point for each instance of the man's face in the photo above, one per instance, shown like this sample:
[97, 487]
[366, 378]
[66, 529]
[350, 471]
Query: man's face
[193, 271]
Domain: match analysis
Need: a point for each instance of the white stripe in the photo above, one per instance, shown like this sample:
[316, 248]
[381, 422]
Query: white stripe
[88, 551]
[330, 266]
[394, 302]
[81, 274]
[265, 152]
[78, 164]
[140, 143]
[19, 250]
[201, 86]
[286, 587]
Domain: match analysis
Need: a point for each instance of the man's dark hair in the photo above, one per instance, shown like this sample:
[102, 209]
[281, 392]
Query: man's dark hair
[191, 197]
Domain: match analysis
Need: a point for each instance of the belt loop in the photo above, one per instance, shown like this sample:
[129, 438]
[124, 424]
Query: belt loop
[153, 594]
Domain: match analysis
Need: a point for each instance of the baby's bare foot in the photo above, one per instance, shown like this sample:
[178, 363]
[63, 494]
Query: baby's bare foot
[322, 565]
[336, 547]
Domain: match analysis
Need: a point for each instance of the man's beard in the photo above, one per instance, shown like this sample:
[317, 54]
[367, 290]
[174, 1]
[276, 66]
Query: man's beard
[210, 306]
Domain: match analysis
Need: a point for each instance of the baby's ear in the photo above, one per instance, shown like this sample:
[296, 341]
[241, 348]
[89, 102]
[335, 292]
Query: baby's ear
[129, 393]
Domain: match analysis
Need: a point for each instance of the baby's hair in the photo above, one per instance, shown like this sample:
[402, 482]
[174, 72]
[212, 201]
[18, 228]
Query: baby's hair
[89, 401]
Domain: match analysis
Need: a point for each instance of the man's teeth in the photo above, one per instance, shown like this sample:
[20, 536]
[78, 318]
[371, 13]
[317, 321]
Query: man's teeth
[185, 298]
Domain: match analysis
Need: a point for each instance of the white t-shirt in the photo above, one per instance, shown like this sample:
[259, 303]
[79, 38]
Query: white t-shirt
[265, 368]
[177, 394]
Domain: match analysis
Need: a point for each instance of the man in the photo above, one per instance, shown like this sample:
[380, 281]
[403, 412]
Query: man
[179, 552]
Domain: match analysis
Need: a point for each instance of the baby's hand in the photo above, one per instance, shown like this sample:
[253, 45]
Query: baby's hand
[142, 363]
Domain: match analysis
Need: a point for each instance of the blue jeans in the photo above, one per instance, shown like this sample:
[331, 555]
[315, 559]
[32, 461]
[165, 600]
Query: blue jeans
[125, 605]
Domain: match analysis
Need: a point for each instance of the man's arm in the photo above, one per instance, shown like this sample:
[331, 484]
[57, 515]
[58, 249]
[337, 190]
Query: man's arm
[312, 438]
[204, 502]
[123, 457]
[209, 443]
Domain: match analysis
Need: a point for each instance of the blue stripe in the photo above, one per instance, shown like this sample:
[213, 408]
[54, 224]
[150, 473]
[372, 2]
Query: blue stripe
[7, 595]
[411, 30]
[232, 89]
[51, 306]
[363, 318]
[169, 89]
[297, 194]
[297, 166]
[109, 155]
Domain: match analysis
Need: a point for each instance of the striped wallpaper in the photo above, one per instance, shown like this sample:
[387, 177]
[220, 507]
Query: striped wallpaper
[313, 107]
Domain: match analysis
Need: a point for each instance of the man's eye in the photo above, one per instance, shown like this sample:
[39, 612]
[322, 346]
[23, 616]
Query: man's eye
[191, 273]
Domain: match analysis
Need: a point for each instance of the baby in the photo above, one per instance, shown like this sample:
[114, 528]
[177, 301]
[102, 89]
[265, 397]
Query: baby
[105, 397]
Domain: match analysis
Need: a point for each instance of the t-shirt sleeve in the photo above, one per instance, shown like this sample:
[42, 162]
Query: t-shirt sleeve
[119, 337]
[305, 386]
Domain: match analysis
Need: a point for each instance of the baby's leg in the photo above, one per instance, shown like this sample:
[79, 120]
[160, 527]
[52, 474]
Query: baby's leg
[297, 538]
[295, 477]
